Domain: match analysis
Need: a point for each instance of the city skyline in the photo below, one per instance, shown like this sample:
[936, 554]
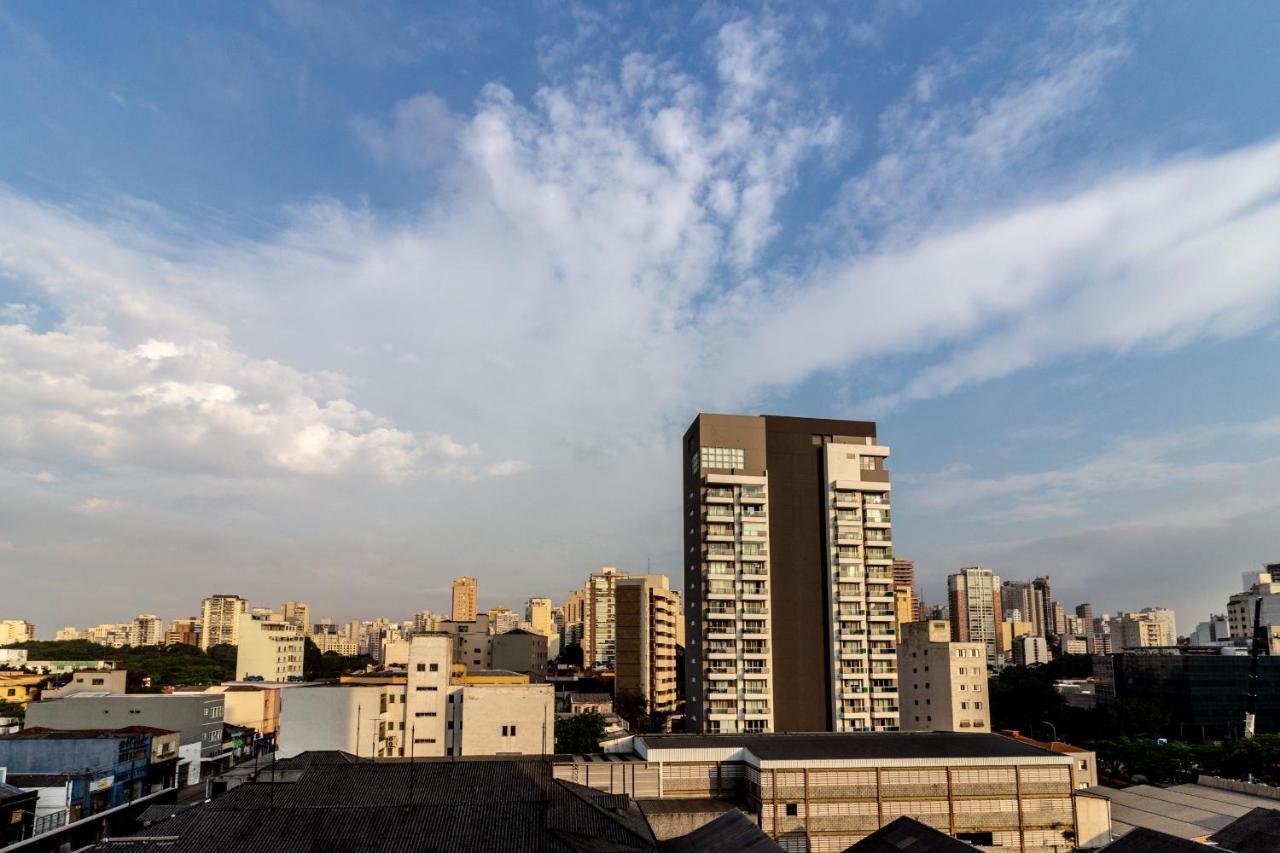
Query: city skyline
[471, 266]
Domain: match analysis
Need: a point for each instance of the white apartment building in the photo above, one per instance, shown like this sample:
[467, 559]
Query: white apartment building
[327, 641]
[428, 714]
[472, 643]
[974, 595]
[502, 620]
[1148, 627]
[943, 683]
[269, 648]
[599, 617]
[16, 631]
[863, 615]
[220, 620]
[1031, 650]
[1242, 606]
[147, 630]
[298, 613]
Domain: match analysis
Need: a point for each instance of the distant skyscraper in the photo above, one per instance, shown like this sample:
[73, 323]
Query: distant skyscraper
[16, 631]
[148, 630]
[974, 595]
[1028, 600]
[219, 620]
[645, 641]
[297, 613]
[464, 599]
[904, 577]
[1085, 612]
[1046, 603]
[789, 610]
[537, 612]
[599, 617]
[1059, 619]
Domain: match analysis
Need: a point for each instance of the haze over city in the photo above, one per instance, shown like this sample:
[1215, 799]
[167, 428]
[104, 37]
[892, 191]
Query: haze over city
[303, 304]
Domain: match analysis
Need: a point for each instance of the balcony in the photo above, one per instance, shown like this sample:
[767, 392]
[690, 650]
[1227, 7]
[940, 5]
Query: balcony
[846, 499]
[753, 513]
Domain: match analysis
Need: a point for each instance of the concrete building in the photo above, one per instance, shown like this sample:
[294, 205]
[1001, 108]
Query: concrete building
[537, 612]
[197, 717]
[332, 641]
[1146, 628]
[269, 648]
[502, 620]
[147, 630]
[599, 617]
[1028, 601]
[647, 614]
[904, 607]
[1212, 633]
[464, 599]
[472, 643]
[520, 651]
[1242, 606]
[220, 620]
[1074, 644]
[16, 631]
[1010, 630]
[825, 792]
[184, 632]
[815, 492]
[89, 681]
[297, 613]
[1049, 616]
[1030, 650]
[974, 596]
[253, 705]
[426, 713]
[942, 683]
[904, 577]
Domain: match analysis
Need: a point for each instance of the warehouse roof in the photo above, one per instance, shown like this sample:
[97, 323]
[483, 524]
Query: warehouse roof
[1256, 832]
[1187, 811]
[731, 832]
[908, 835]
[856, 745]
[1143, 840]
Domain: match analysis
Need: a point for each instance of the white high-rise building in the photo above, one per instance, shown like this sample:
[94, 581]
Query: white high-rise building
[1145, 628]
[147, 630]
[975, 599]
[16, 631]
[220, 620]
[599, 617]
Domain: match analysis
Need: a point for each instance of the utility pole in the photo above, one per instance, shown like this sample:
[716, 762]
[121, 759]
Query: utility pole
[1256, 651]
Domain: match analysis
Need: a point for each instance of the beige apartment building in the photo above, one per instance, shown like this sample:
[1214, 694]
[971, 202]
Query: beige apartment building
[974, 596]
[537, 613]
[942, 683]
[464, 599]
[184, 632]
[424, 713]
[297, 613]
[16, 631]
[269, 648]
[599, 617]
[472, 643]
[1145, 628]
[147, 630]
[220, 620]
[647, 614]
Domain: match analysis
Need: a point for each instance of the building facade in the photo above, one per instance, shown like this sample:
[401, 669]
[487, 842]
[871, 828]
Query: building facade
[943, 683]
[647, 614]
[1150, 627]
[974, 595]
[465, 590]
[269, 648]
[220, 620]
[1029, 651]
[599, 618]
[788, 557]
[147, 630]
[184, 632]
[537, 613]
[16, 631]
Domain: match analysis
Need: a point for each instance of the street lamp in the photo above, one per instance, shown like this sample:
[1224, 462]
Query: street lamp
[1052, 728]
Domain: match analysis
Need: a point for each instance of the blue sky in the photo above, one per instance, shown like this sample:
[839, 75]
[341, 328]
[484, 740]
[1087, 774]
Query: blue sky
[328, 301]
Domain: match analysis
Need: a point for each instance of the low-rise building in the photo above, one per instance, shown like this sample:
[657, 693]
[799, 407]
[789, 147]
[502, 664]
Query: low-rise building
[425, 711]
[942, 684]
[1084, 762]
[472, 644]
[198, 717]
[88, 681]
[520, 651]
[270, 648]
[20, 688]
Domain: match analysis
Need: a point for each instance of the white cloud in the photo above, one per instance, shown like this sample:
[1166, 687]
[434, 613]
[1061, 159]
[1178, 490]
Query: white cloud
[420, 132]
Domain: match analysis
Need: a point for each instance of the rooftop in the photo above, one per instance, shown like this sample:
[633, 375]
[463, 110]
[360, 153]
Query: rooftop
[859, 745]
[40, 733]
[1256, 832]
[1187, 811]
[907, 835]
[1143, 840]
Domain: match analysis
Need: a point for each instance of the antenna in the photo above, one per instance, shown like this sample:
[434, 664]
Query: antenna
[413, 731]
[1256, 650]
[358, 731]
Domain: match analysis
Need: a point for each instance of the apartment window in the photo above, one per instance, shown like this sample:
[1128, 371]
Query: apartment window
[424, 740]
[425, 714]
[99, 681]
[430, 687]
[722, 457]
[793, 809]
[977, 706]
[435, 667]
[422, 667]
[964, 706]
[508, 731]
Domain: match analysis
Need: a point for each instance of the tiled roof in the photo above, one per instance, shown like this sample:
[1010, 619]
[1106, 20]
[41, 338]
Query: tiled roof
[339, 803]
[1256, 832]
[907, 835]
[782, 747]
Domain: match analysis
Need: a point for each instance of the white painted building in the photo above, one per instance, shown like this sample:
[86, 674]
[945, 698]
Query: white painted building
[269, 648]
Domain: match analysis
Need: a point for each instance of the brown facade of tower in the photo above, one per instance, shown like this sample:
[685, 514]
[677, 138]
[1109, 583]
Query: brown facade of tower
[769, 584]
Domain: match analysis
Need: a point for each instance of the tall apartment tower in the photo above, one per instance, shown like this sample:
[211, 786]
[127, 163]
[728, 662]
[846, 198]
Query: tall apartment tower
[297, 613]
[219, 620]
[1085, 612]
[1028, 600]
[464, 600]
[789, 607]
[1046, 604]
[599, 617]
[147, 630]
[183, 631]
[974, 595]
[645, 644]
[537, 612]
[944, 683]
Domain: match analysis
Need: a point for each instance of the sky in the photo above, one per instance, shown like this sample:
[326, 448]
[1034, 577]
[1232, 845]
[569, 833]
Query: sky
[335, 302]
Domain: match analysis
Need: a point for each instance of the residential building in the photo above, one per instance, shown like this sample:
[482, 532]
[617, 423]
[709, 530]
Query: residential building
[1059, 619]
[502, 620]
[599, 620]
[147, 630]
[17, 813]
[197, 717]
[252, 705]
[184, 632]
[220, 620]
[1074, 644]
[537, 612]
[426, 622]
[974, 595]
[1085, 612]
[16, 631]
[903, 608]
[269, 648]
[68, 633]
[423, 713]
[472, 644]
[1212, 633]
[647, 614]
[825, 792]
[1028, 601]
[1048, 616]
[1030, 650]
[1010, 630]
[942, 684]
[1146, 628]
[520, 651]
[332, 641]
[20, 688]
[904, 577]
[115, 635]
[87, 681]
[297, 613]
[464, 599]
[1242, 606]
[1099, 643]
[815, 494]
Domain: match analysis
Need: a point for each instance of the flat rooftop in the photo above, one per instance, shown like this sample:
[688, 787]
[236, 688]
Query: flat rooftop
[855, 745]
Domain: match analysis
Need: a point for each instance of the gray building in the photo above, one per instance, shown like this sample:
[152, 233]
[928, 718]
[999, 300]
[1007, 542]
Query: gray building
[196, 716]
[520, 651]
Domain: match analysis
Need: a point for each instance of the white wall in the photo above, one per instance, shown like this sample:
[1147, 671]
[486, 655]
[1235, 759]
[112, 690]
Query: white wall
[325, 717]
[488, 708]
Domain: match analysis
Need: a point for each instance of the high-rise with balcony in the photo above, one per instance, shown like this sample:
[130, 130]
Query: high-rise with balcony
[788, 576]
[974, 595]
[645, 644]
[599, 617]
[220, 620]
[464, 600]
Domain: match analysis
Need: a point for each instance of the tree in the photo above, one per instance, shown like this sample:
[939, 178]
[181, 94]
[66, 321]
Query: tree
[11, 709]
[580, 733]
[316, 666]
[571, 655]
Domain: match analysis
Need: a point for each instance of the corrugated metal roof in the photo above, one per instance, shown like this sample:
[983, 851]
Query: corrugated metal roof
[1256, 832]
[907, 835]
[1187, 811]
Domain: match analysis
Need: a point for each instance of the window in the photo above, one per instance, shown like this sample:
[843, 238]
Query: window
[508, 731]
[422, 667]
[964, 706]
[977, 706]
[722, 457]
[424, 740]
[793, 809]
[425, 714]
[430, 687]
[435, 667]
[99, 681]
